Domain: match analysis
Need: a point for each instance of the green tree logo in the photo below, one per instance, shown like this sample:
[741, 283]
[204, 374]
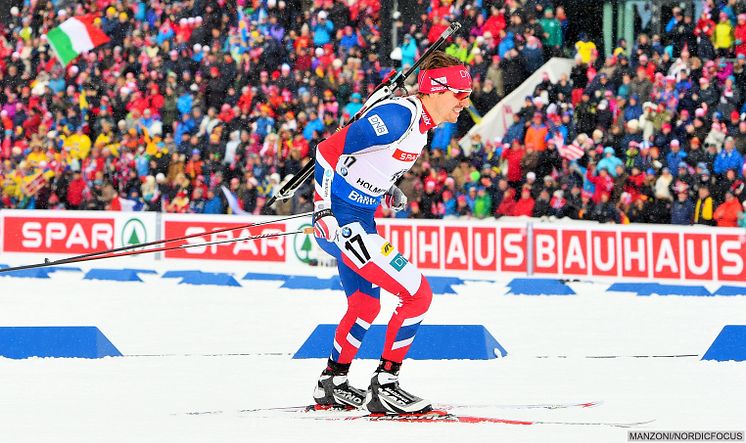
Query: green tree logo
[303, 246]
[134, 232]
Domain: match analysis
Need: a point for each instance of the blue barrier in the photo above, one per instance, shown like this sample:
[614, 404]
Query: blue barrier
[37, 272]
[264, 276]
[539, 286]
[432, 342]
[202, 278]
[730, 290]
[696, 291]
[631, 287]
[51, 341]
[444, 285]
[646, 289]
[730, 344]
[311, 282]
[117, 274]
[439, 285]
[178, 274]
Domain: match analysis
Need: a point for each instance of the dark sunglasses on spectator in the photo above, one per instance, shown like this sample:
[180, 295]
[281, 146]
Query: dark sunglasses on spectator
[460, 95]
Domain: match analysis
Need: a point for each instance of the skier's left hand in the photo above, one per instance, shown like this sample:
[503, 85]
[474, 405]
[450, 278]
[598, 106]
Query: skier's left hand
[394, 199]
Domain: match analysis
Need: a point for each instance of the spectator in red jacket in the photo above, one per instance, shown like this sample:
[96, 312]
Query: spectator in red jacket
[75, 191]
[513, 156]
[525, 204]
[602, 182]
[507, 205]
[726, 214]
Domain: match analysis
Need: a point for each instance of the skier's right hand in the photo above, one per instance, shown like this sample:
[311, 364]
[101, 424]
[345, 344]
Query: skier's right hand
[325, 225]
[394, 200]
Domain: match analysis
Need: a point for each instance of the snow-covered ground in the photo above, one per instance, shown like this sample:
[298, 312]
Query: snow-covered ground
[201, 348]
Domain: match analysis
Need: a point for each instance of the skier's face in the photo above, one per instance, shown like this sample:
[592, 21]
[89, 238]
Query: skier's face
[451, 104]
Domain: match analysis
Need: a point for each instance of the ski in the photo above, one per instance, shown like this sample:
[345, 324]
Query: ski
[442, 416]
[444, 407]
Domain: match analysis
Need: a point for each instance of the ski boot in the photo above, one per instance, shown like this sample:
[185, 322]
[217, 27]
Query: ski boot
[386, 397]
[333, 391]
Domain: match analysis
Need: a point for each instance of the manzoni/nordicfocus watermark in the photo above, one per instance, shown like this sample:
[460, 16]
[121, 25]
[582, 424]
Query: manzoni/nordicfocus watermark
[685, 435]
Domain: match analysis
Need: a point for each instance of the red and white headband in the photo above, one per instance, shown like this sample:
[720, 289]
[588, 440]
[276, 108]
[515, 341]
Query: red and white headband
[454, 78]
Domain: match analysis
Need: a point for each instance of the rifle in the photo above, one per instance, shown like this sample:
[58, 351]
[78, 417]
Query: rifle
[382, 92]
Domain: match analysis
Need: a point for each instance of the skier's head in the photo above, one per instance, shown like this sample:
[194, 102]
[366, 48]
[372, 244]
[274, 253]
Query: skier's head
[444, 86]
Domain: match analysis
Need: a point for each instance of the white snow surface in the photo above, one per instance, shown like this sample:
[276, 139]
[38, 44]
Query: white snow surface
[207, 348]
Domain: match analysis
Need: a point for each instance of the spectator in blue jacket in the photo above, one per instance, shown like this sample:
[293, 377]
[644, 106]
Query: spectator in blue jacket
[533, 54]
[674, 157]
[682, 209]
[516, 131]
[213, 205]
[408, 51]
[322, 30]
[633, 110]
[610, 162]
[729, 158]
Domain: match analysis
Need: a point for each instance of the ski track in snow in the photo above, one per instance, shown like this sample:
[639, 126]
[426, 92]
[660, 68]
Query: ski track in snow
[192, 348]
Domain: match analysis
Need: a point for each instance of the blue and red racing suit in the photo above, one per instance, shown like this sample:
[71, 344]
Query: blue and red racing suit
[355, 168]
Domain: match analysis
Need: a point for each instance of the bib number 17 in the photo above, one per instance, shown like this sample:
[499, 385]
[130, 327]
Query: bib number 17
[356, 246]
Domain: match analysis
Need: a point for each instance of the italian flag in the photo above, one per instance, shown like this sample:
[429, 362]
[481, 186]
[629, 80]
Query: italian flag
[73, 36]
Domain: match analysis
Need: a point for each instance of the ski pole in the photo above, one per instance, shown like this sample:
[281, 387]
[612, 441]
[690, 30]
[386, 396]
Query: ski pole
[109, 253]
[384, 90]
[307, 230]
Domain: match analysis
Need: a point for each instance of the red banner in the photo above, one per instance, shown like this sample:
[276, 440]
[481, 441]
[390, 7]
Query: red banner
[266, 249]
[609, 252]
[57, 235]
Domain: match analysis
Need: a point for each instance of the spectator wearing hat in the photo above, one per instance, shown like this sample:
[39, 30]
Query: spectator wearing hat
[726, 214]
[675, 156]
[525, 204]
[682, 209]
[609, 162]
[602, 182]
[683, 177]
[536, 133]
[728, 158]
[723, 36]
[552, 34]
[703, 209]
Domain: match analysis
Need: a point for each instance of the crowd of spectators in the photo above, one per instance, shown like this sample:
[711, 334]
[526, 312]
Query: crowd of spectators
[194, 102]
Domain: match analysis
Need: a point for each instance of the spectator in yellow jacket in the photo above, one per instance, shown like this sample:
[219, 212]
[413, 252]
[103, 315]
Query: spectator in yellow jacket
[722, 38]
[704, 208]
[77, 144]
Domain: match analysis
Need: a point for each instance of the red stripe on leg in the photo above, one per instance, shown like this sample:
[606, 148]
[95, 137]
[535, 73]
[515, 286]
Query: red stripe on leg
[410, 307]
[359, 305]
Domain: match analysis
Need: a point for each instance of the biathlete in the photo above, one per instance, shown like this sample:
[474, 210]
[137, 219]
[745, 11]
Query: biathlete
[356, 170]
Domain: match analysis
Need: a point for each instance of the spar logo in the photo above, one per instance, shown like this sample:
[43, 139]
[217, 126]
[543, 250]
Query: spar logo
[405, 156]
[271, 249]
[303, 245]
[75, 235]
[133, 232]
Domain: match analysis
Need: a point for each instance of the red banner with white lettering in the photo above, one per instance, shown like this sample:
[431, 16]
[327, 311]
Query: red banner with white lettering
[266, 249]
[77, 235]
[484, 248]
